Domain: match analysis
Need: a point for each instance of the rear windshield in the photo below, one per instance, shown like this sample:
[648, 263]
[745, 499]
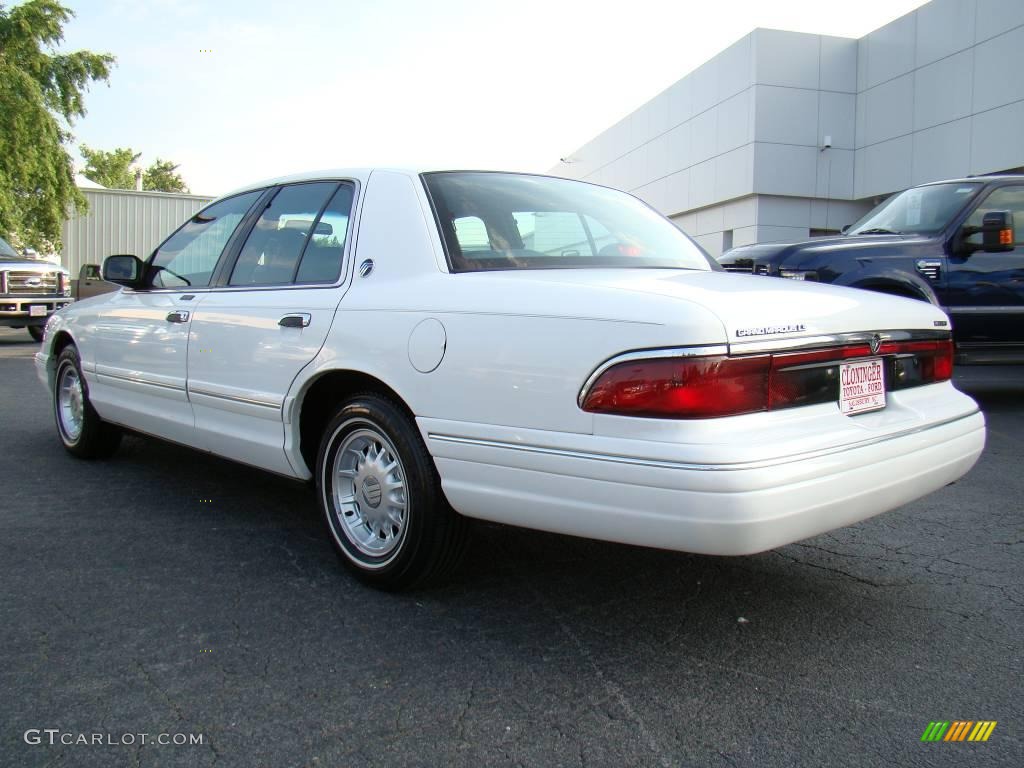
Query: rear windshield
[501, 221]
[917, 211]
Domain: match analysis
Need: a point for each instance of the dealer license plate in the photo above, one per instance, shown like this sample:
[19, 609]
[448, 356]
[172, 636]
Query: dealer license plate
[37, 310]
[861, 386]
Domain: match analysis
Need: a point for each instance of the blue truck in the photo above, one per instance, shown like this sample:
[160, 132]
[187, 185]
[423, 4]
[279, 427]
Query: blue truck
[952, 243]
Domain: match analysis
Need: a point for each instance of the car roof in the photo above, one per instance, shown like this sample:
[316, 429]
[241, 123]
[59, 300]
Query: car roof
[362, 174]
[979, 179]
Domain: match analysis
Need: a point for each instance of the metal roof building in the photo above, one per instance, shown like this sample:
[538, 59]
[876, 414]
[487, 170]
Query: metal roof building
[123, 221]
[785, 134]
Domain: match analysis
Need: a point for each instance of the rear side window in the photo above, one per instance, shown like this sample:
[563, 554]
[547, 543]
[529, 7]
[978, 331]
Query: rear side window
[274, 247]
[321, 261]
[299, 238]
[187, 258]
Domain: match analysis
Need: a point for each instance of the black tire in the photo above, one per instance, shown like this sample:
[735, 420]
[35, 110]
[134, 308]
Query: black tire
[411, 536]
[36, 332]
[94, 439]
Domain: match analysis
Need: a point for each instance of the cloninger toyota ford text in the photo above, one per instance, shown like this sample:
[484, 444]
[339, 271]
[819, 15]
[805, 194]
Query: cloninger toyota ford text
[431, 346]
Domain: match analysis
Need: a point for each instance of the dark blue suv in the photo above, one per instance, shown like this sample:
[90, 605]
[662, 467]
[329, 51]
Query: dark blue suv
[952, 243]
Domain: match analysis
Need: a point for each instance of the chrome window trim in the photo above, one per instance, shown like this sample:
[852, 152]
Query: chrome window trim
[648, 354]
[981, 310]
[233, 398]
[344, 278]
[825, 341]
[687, 466]
[140, 380]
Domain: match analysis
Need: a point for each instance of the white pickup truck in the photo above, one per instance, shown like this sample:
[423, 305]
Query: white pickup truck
[30, 290]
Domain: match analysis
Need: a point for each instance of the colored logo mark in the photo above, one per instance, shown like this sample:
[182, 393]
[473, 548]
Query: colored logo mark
[958, 730]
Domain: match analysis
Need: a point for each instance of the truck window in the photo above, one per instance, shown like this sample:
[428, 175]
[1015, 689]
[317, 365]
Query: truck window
[918, 211]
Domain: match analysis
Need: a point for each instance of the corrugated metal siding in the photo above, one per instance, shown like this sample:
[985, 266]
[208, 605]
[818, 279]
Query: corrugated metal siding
[124, 221]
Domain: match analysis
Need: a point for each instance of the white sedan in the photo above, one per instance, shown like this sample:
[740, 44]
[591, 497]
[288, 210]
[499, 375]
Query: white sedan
[547, 353]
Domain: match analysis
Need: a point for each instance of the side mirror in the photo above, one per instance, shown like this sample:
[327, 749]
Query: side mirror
[845, 229]
[89, 272]
[997, 232]
[123, 269]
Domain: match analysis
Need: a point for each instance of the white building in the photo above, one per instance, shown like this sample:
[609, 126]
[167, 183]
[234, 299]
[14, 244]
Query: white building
[785, 135]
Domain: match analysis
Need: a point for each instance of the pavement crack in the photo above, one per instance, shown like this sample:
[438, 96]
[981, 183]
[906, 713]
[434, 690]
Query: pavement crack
[292, 558]
[460, 720]
[841, 572]
[159, 689]
[613, 689]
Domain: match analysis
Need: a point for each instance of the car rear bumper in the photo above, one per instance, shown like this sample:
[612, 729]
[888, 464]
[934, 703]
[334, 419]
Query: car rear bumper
[715, 508]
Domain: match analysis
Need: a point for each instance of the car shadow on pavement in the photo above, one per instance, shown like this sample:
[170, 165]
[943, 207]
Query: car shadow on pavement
[514, 580]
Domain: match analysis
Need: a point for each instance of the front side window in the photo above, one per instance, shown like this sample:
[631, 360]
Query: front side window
[1002, 199]
[501, 221]
[918, 211]
[187, 258]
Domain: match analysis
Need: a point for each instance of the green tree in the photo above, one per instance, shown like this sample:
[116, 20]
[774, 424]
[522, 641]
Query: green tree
[111, 169]
[41, 94]
[161, 177]
[114, 170]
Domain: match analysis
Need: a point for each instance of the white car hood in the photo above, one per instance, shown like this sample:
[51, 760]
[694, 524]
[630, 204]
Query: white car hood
[760, 308]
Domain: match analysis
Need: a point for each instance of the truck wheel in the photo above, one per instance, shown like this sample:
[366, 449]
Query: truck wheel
[36, 332]
[80, 428]
[381, 497]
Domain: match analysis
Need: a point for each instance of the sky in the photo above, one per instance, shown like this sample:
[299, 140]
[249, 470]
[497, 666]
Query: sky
[237, 91]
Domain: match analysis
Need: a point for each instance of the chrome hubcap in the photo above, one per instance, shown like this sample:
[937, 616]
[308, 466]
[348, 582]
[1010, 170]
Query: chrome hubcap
[70, 403]
[370, 499]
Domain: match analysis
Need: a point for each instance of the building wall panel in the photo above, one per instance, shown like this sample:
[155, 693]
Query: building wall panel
[123, 221]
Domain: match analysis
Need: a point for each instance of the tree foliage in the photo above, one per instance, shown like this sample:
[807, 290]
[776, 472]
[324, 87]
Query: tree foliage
[111, 169]
[114, 170]
[161, 176]
[41, 94]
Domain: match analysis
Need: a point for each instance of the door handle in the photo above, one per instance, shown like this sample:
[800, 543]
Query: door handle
[177, 316]
[297, 320]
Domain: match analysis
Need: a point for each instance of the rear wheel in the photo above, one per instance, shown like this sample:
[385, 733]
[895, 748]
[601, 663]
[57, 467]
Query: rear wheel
[80, 428]
[381, 497]
[36, 332]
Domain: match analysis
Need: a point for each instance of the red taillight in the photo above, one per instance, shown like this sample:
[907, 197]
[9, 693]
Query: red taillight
[709, 387]
[692, 388]
[926, 362]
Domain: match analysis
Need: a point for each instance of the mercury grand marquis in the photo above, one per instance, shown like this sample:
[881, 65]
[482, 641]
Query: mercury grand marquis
[428, 347]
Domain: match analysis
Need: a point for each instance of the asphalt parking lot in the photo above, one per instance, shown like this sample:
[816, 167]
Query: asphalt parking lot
[167, 592]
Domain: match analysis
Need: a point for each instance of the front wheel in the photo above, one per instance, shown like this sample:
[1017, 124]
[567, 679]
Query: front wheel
[381, 497]
[36, 332]
[80, 428]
